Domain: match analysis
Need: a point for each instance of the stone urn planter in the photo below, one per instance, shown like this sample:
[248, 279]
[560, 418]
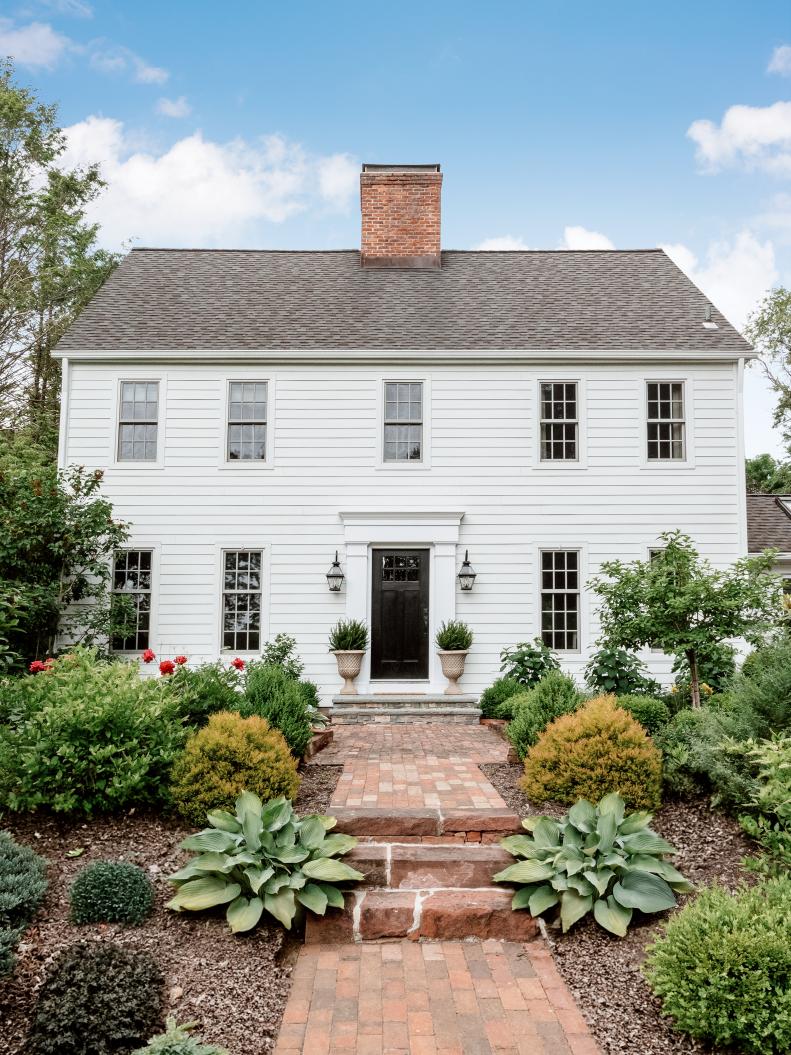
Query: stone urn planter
[349, 663]
[452, 668]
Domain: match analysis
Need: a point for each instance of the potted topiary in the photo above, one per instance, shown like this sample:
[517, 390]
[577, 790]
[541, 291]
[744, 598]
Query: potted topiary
[453, 643]
[348, 642]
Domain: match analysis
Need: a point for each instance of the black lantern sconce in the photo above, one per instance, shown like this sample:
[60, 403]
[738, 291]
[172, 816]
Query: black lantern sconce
[335, 575]
[466, 573]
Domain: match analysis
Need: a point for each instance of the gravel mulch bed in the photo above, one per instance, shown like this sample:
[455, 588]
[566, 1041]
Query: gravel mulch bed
[234, 987]
[604, 972]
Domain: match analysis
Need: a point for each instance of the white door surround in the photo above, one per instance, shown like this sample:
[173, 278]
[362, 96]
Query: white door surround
[438, 532]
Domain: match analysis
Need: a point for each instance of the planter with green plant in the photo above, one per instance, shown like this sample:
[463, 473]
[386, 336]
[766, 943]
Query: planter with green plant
[453, 642]
[348, 642]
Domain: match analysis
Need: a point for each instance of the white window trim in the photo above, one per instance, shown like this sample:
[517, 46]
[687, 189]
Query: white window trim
[406, 466]
[581, 461]
[159, 461]
[247, 466]
[665, 464]
[583, 593]
[153, 620]
[219, 562]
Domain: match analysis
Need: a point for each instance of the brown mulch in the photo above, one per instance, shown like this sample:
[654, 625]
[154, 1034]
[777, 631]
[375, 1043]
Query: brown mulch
[604, 972]
[233, 986]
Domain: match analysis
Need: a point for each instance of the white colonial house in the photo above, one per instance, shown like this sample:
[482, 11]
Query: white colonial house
[257, 412]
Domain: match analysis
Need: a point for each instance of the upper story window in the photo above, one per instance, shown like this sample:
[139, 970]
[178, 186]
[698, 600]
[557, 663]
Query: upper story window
[560, 599]
[138, 421]
[666, 421]
[247, 420]
[241, 600]
[559, 421]
[132, 585]
[403, 421]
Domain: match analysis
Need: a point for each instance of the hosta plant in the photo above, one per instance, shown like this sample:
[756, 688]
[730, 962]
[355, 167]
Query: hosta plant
[595, 858]
[263, 858]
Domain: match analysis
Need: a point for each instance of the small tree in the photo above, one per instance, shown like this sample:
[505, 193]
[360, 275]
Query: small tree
[678, 603]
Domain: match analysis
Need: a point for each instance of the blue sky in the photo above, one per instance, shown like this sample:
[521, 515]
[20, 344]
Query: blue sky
[557, 124]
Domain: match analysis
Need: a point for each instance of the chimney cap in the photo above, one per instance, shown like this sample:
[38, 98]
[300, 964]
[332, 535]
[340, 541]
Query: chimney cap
[368, 167]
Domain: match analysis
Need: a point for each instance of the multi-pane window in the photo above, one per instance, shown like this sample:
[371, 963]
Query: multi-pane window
[560, 599]
[241, 600]
[666, 425]
[132, 599]
[247, 420]
[559, 421]
[137, 421]
[403, 423]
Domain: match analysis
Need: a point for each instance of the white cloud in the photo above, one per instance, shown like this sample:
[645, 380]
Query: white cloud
[780, 61]
[339, 178]
[36, 46]
[734, 275]
[581, 238]
[118, 59]
[174, 107]
[70, 8]
[505, 242]
[756, 136]
[198, 192]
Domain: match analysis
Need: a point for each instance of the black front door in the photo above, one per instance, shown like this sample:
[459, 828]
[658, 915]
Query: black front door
[399, 614]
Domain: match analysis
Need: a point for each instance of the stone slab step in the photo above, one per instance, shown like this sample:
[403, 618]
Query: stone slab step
[415, 866]
[389, 822]
[415, 701]
[457, 914]
[383, 715]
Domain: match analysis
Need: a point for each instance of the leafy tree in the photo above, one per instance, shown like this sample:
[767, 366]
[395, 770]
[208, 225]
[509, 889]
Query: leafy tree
[680, 604]
[57, 538]
[50, 266]
[766, 475]
[769, 329]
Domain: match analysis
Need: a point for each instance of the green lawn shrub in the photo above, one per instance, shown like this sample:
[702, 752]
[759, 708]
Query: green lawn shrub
[23, 883]
[617, 671]
[528, 662]
[722, 968]
[229, 755]
[97, 999]
[87, 736]
[495, 701]
[554, 695]
[764, 688]
[111, 892]
[651, 713]
[271, 694]
[592, 752]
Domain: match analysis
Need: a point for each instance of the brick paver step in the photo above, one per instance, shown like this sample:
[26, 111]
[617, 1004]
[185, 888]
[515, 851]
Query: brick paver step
[420, 866]
[371, 914]
[386, 821]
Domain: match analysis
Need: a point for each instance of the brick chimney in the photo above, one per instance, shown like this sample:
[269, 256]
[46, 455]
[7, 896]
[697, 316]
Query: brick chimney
[401, 216]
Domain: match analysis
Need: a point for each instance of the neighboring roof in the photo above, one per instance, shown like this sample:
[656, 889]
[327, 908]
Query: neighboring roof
[768, 523]
[261, 299]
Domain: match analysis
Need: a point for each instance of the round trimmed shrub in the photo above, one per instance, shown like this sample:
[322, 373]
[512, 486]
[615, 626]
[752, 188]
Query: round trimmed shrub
[495, 701]
[592, 752]
[231, 754]
[555, 694]
[722, 968]
[651, 713]
[97, 999]
[111, 892]
[272, 694]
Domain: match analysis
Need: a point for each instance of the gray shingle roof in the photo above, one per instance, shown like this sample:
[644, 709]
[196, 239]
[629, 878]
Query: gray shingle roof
[768, 524]
[256, 299]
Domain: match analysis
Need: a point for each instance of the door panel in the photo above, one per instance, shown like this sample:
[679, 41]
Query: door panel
[399, 614]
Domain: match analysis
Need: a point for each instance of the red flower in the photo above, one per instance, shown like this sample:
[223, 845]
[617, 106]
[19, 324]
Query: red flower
[167, 666]
[148, 655]
[238, 663]
[181, 660]
[37, 666]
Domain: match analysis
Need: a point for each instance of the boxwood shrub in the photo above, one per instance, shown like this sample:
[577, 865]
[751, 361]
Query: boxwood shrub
[271, 694]
[495, 701]
[651, 713]
[555, 694]
[111, 892]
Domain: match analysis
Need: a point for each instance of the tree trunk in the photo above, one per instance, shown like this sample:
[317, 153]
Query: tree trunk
[692, 659]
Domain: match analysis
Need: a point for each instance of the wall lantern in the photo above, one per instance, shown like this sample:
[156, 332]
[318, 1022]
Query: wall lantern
[335, 575]
[466, 573]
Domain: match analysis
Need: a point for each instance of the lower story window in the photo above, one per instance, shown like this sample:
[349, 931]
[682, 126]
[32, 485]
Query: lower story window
[241, 600]
[132, 599]
[560, 599]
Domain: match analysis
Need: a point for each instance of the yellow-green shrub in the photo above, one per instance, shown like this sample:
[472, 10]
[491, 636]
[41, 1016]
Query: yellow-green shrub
[592, 752]
[230, 755]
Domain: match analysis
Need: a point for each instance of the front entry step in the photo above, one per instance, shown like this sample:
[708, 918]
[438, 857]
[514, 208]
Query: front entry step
[421, 866]
[427, 824]
[383, 708]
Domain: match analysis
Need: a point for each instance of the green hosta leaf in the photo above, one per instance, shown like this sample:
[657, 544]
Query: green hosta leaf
[248, 802]
[679, 883]
[245, 858]
[614, 860]
[287, 836]
[335, 898]
[224, 820]
[647, 842]
[213, 862]
[606, 826]
[612, 916]
[277, 814]
[573, 906]
[297, 880]
[525, 872]
[529, 822]
[572, 838]
[559, 882]
[328, 822]
[336, 845]
[635, 822]
[546, 833]
[599, 879]
[199, 894]
[243, 913]
[252, 828]
[646, 863]
[574, 861]
[542, 899]
[312, 833]
[189, 871]
[644, 891]
[314, 898]
[277, 882]
[291, 855]
[283, 906]
[581, 885]
[257, 876]
[614, 805]
[521, 898]
[583, 816]
[210, 841]
[330, 870]
[523, 846]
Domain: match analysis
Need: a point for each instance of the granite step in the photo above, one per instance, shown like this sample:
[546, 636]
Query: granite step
[385, 708]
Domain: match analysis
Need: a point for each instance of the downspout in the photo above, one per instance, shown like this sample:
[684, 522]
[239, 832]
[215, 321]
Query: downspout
[741, 497]
[64, 413]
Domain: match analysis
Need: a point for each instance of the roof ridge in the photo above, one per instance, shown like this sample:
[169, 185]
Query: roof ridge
[316, 252]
